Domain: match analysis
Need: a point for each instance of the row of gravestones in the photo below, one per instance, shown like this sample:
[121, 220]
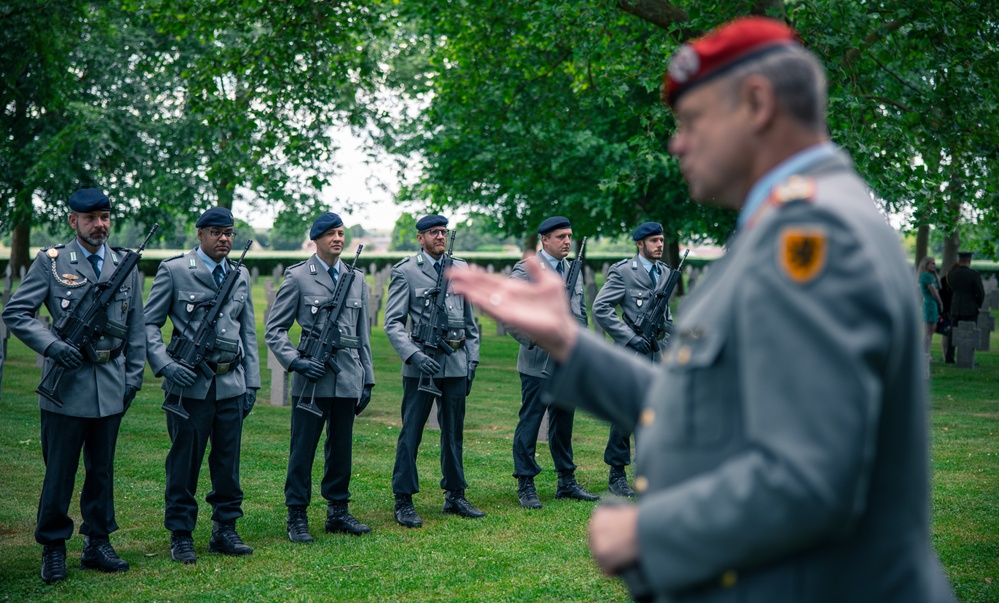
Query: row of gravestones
[968, 336]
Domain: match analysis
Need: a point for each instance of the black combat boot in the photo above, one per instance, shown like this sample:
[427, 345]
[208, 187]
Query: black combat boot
[455, 503]
[569, 488]
[618, 483]
[53, 562]
[298, 525]
[225, 540]
[182, 548]
[339, 519]
[99, 554]
[527, 494]
[405, 512]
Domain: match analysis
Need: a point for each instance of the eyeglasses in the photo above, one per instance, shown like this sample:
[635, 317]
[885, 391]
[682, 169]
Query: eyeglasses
[437, 232]
[218, 234]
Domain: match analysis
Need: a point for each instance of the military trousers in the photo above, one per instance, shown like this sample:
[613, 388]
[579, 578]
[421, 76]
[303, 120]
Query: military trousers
[618, 450]
[306, 429]
[63, 438]
[525, 436]
[416, 407]
[221, 423]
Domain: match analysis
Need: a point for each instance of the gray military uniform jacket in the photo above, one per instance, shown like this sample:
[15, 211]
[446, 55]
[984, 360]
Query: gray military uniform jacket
[181, 289]
[62, 279]
[782, 443]
[407, 299]
[305, 288]
[628, 285]
[531, 359]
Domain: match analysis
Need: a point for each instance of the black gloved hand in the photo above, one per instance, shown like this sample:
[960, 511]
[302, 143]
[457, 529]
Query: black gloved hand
[426, 364]
[249, 399]
[639, 344]
[310, 369]
[130, 392]
[64, 354]
[471, 377]
[179, 375]
[363, 401]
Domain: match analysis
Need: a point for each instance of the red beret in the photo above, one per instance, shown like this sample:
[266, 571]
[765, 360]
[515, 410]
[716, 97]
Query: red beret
[721, 49]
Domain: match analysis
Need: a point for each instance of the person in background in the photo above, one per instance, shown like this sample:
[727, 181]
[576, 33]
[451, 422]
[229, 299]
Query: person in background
[932, 304]
[968, 293]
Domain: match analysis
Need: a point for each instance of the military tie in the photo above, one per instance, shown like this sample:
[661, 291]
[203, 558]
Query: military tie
[560, 268]
[654, 274]
[437, 267]
[334, 273]
[95, 261]
[219, 275]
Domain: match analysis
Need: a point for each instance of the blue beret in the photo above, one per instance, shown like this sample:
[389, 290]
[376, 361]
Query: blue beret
[553, 223]
[647, 229]
[428, 222]
[323, 223]
[216, 216]
[87, 200]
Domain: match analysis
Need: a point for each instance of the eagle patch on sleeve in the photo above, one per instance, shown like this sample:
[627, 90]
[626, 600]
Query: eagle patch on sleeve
[802, 252]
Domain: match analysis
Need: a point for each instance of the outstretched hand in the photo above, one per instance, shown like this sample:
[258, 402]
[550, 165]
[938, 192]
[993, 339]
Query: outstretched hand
[538, 308]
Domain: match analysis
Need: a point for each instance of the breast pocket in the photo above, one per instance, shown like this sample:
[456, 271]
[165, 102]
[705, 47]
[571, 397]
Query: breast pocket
[236, 303]
[704, 406]
[190, 303]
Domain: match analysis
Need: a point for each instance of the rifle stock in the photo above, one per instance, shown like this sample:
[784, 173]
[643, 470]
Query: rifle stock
[324, 348]
[82, 329]
[192, 353]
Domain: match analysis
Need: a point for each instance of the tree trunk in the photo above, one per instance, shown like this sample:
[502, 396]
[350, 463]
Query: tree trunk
[922, 242]
[20, 246]
[673, 259]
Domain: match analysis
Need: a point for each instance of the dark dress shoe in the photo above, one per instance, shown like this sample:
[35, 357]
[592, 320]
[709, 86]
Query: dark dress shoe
[225, 540]
[53, 563]
[527, 494]
[405, 512]
[455, 503]
[339, 520]
[618, 483]
[569, 488]
[298, 525]
[99, 554]
[182, 548]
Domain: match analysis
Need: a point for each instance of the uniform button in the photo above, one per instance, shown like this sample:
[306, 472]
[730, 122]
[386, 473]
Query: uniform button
[223, 331]
[68, 293]
[648, 417]
[317, 302]
[683, 355]
[641, 484]
[192, 296]
[728, 579]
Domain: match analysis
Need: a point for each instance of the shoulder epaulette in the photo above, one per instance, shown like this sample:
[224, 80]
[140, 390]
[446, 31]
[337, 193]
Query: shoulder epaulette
[174, 257]
[59, 246]
[121, 249]
[795, 188]
[401, 262]
[621, 263]
[296, 265]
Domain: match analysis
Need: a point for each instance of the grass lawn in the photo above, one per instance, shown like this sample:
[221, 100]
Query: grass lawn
[511, 555]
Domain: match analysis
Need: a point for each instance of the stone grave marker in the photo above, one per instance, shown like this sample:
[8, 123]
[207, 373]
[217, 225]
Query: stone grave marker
[433, 422]
[280, 381]
[543, 430]
[255, 275]
[966, 338]
[986, 324]
[991, 300]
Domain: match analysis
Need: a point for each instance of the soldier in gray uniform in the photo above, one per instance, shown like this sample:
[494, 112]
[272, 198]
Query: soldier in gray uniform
[182, 287]
[94, 395]
[782, 442]
[631, 285]
[411, 279]
[535, 368]
[336, 397]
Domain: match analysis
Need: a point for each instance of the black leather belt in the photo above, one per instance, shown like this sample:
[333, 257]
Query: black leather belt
[221, 368]
[103, 356]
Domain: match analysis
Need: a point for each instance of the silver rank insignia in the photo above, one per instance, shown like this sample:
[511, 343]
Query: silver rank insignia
[72, 257]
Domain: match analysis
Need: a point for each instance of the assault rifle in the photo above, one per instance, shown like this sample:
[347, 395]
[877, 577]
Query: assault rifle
[431, 333]
[650, 325]
[191, 353]
[82, 329]
[324, 347]
[575, 267]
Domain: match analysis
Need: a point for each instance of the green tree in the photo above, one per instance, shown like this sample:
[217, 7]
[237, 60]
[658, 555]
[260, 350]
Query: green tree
[404, 234]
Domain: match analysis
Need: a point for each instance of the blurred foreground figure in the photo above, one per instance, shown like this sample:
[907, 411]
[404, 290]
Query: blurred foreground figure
[782, 447]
